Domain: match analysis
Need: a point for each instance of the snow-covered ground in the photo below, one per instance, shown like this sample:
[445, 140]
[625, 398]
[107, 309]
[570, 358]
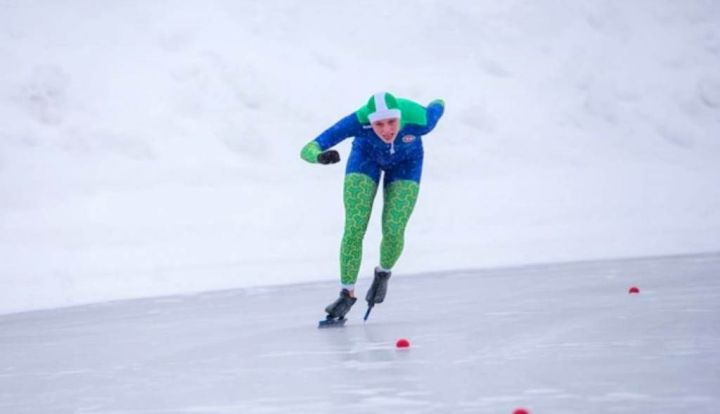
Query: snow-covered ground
[151, 148]
[559, 339]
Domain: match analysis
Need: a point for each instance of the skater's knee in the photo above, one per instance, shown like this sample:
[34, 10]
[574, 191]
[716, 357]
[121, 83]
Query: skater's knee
[393, 235]
[353, 238]
[355, 231]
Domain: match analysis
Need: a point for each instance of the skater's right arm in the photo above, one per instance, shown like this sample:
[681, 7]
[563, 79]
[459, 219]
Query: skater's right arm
[318, 150]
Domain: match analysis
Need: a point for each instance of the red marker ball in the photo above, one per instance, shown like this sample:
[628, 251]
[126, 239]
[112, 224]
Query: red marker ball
[634, 290]
[521, 411]
[402, 343]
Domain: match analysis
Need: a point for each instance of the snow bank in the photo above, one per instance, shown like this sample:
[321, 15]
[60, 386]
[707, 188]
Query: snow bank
[150, 149]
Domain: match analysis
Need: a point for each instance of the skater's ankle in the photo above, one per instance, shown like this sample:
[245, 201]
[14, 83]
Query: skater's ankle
[350, 290]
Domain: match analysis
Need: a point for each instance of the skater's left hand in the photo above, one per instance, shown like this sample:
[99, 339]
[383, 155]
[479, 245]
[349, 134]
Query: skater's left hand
[328, 157]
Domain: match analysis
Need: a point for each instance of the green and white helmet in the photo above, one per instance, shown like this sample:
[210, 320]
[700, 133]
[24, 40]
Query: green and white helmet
[382, 106]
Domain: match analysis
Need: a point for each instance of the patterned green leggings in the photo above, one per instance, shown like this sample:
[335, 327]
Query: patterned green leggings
[359, 193]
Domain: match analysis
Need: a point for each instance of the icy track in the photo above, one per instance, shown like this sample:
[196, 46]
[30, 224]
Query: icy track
[564, 338]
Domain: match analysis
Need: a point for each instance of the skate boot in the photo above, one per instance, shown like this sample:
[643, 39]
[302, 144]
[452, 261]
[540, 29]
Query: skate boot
[378, 289]
[341, 306]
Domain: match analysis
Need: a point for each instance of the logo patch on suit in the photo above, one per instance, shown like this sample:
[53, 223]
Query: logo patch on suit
[408, 138]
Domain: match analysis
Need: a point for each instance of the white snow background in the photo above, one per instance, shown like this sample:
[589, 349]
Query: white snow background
[152, 148]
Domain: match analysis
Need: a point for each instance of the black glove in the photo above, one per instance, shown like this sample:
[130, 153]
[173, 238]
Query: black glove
[328, 157]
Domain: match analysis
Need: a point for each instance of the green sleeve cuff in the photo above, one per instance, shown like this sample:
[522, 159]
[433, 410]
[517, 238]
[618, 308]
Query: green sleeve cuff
[310, 152]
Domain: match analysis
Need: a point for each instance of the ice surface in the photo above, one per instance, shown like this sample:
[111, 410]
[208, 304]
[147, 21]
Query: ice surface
[561, 339]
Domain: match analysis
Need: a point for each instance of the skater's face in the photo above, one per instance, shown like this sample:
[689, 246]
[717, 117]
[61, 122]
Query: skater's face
[386, 129]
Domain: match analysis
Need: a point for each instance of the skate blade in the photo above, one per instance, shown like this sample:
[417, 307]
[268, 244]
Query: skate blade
[367, 314]
[332, 323]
